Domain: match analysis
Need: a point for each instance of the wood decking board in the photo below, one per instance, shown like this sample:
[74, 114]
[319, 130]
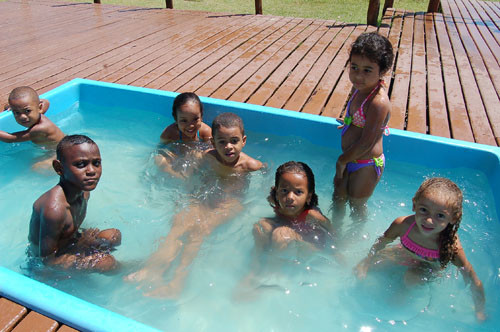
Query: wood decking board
[401, 82]
[477, 87]
[248, 58]
[417, 110]
[438, 116]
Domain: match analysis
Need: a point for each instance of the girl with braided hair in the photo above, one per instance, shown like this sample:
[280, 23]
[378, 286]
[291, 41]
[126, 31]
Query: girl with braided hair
[429, 239]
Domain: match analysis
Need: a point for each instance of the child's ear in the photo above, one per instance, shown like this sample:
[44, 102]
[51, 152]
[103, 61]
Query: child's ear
[308, 200]
[244, 140]
[212, 141]
[57, 165]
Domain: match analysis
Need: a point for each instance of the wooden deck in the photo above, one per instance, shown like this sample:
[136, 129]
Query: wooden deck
[445, 81]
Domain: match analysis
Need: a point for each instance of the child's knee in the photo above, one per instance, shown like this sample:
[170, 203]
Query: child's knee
[104, 263]
[112, 235]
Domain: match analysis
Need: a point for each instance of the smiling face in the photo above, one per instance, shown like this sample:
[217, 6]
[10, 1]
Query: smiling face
[292, 194]
[26, 110]
[189, 119]
[363, 73]
[80, 166]
[432, 213]
[229, 141]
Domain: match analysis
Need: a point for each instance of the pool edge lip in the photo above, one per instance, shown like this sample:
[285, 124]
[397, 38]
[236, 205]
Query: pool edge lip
[68, 310]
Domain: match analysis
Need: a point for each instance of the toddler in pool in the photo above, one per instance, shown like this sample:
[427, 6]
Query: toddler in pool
[297, 216]
[188, 128]
[429, 239]
[28, 110]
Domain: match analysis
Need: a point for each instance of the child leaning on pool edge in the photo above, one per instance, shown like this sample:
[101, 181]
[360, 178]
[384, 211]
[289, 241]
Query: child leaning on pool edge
[225, 182]
[429, 239]
[362, 162]
[187, 111]
[58, 214]
[28, 110]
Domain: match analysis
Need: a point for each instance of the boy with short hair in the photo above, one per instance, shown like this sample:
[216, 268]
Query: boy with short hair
[29, 111]
[223, 176]
[58, 214]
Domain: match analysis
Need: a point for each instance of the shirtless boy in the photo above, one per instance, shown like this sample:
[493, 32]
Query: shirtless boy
[223, 171]
[28, 111]
[58, 214]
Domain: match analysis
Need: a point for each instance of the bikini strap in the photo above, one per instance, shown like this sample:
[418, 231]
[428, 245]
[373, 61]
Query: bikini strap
[380, 82]
[409, 230]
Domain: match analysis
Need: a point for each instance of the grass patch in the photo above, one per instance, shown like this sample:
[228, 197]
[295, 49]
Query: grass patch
[349, 11]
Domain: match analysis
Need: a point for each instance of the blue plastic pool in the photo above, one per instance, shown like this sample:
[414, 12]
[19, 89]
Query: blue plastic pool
[141, 114]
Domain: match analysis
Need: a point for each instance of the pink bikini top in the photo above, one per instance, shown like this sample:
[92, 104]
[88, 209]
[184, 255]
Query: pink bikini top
[428, 254]
[358, 118]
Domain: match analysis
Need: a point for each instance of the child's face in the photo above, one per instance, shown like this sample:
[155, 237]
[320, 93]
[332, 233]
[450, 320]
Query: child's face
[228, 142]
[26, 111]
[189, 119]
[364, 74]
[292, 193]
[80, 166]
[432, 213]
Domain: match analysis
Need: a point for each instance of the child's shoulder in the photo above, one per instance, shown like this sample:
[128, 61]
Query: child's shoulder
[205, 132]
[171, 133]
[251, 164]
[316, 213]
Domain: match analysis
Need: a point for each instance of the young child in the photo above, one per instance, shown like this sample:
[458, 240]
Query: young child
[187, 111]
[429, 239]
[29, 111]
[297, 216]
[58, 214]
[361, 164]
[223, 171]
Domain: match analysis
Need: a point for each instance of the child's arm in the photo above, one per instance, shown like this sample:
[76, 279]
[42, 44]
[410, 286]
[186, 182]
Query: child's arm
[170, 134]
[324, 221]
[395, 230]
[470, 276]
[20, 136]
[205, 132]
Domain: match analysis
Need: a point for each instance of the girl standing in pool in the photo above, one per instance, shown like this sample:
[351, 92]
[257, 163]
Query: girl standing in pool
[297, 216]
[361, 164]
[186, 132]
[429, 239]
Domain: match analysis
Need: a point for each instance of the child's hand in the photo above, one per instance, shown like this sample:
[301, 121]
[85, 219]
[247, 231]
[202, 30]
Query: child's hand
[342, 124]
[361, 269]
[480, 316]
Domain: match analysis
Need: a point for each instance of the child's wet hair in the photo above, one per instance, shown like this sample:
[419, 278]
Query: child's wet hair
[296, 167]
[227, 120]
[184, 98]
[23, 91]
[375, 47]
[454, 197]
[70, 140]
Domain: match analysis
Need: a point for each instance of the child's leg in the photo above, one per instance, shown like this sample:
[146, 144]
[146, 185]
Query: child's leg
[161, 259]
[339, 200]
[262, 233]
[361, 185]
[111, 237]
[96, 262]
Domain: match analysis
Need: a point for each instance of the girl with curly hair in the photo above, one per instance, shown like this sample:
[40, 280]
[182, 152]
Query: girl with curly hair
[429, 238]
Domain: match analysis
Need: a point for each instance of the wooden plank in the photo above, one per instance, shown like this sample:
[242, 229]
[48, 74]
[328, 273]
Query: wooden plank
[489, 30]
[321, 94]
[238, 57]
[401, 83]
[394, 38]
[487, 92]
[311, 83]
[10, 314]
[293, 81]
[475, 108]
[177, 68]
[245, 80]
[437, 112]
[224, 55]
[251, 57]
[266, 90]
[417, 103]
[259, 76]
[35, 322]
[457, 113]
[66, 328]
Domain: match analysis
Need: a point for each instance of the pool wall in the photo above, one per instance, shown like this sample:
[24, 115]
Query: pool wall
[402, 146]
